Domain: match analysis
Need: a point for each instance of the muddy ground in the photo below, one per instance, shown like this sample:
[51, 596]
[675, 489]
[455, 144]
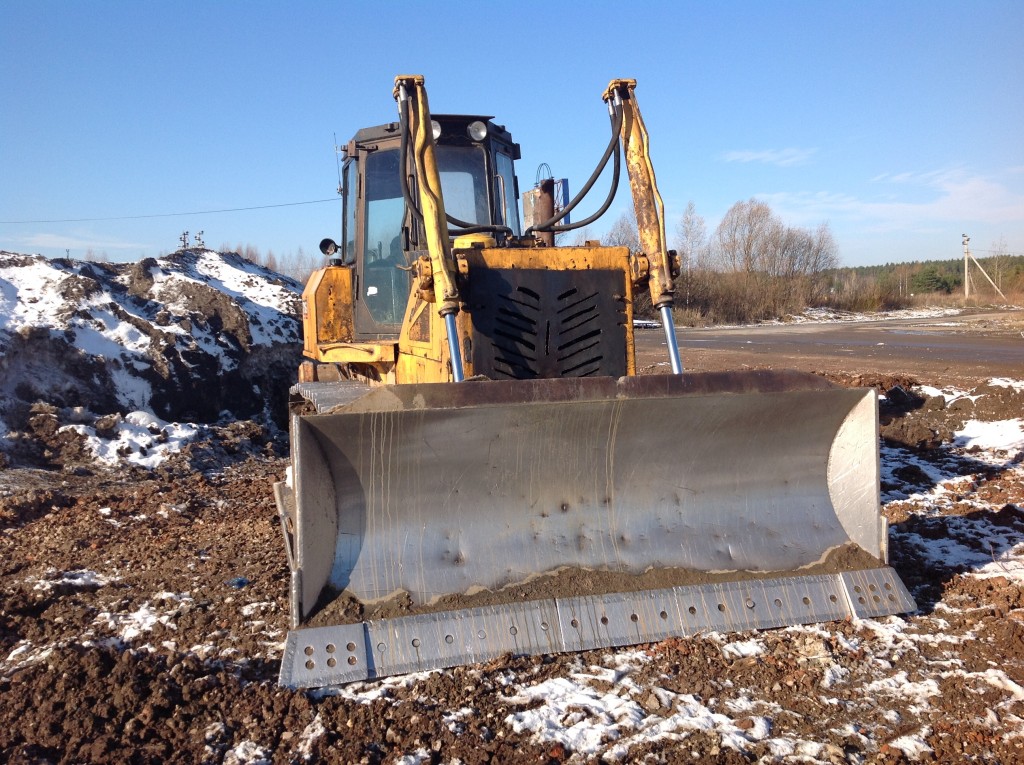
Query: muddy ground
[142, 616]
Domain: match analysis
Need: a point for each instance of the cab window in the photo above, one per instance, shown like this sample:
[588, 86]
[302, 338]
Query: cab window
[464, 183]
[384, 287]
[506, 193]
[348, 215]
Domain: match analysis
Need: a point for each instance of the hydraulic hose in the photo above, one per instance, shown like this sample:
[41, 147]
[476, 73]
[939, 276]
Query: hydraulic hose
[465, 228]
[613, 147]
[474, 228]
[403, 122]
[602, 210]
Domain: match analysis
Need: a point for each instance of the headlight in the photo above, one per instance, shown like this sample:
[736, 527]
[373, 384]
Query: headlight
[477, 130]
[435, 128]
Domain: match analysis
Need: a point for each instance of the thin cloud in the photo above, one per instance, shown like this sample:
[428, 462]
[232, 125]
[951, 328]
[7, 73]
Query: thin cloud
[950, 195]
[58, 241]
[779, 157]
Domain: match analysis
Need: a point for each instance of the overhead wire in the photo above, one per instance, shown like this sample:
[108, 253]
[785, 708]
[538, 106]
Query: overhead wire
[169, 215]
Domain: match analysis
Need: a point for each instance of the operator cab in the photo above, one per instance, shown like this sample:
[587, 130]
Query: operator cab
[381, 237]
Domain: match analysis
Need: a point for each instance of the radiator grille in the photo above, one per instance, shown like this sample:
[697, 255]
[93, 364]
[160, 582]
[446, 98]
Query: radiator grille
[536, 323]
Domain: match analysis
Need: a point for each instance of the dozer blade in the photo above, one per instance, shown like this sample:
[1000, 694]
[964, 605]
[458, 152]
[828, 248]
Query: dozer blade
[459, 522]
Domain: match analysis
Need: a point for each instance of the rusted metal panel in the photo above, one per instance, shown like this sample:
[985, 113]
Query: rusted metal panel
[365, 353]
[539, 206]
[327, 309]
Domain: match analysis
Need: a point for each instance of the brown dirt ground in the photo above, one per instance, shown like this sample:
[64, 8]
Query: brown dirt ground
[197, 558]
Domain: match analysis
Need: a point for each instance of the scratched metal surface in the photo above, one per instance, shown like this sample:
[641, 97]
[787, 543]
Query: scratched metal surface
[440, 489]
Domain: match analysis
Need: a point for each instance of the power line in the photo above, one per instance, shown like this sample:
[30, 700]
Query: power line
[168, 215]
[1002, 252]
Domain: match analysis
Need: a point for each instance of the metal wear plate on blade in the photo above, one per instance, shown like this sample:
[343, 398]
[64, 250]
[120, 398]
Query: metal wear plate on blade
[448, 638]
[877, 592]
[319, 656]
[331, 655]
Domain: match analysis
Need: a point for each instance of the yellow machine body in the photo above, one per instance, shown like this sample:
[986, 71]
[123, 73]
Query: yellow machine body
[477, 468]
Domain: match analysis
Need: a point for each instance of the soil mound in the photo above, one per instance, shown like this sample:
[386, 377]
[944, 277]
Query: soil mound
[101, 360]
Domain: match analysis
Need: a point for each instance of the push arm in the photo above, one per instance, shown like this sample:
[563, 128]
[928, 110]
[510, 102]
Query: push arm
[412, 97]
[649, 207]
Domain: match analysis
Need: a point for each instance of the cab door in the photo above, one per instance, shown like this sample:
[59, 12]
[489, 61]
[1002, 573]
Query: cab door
[382, 280]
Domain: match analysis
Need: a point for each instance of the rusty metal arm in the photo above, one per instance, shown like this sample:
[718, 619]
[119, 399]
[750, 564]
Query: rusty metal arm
[649, 207]
[411, 93]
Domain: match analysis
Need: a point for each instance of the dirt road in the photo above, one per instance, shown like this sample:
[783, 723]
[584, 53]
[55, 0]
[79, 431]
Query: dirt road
[950, 348]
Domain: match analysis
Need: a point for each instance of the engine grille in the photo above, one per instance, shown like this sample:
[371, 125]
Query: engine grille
[539, 323]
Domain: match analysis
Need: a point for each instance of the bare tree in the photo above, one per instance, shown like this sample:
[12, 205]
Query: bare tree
[691, 238]
[741, 237]
[691, 244]
[902, 274]
[300, 265]
[576, 238]
[824, 251]
[999, 260]
[752, 239]
[95, 257]
[768, 268]
[624, 233]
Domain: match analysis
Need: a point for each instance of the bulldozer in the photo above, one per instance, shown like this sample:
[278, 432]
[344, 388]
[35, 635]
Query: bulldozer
[477, 467]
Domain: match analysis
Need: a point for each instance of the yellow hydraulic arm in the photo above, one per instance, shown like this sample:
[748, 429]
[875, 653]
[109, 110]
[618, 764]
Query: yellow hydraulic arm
[412, 100]
[649, 207]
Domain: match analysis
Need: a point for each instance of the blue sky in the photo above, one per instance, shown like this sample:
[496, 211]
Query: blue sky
[898, 124]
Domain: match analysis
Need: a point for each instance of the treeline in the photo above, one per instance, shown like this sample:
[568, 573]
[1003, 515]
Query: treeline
[896, 283]
[753, 267]
[298, 265]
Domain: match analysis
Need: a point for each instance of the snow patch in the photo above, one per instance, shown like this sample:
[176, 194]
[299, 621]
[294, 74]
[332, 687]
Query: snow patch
[141, 439]
[1006, 382]
[80, 578]
[129, 626]
[585, 719]
[309, 736]
[247, 753]
[914, 745]
[1000, 436]
[742, 649]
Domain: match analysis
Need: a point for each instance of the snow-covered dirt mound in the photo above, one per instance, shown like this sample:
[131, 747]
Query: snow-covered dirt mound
[101, 360]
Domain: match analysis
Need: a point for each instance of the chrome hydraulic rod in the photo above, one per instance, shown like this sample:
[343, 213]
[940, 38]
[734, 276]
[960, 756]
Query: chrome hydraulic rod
[671, 340]
[458, 375]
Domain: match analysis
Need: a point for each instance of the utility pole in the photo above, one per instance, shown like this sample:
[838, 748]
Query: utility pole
[967, 273]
